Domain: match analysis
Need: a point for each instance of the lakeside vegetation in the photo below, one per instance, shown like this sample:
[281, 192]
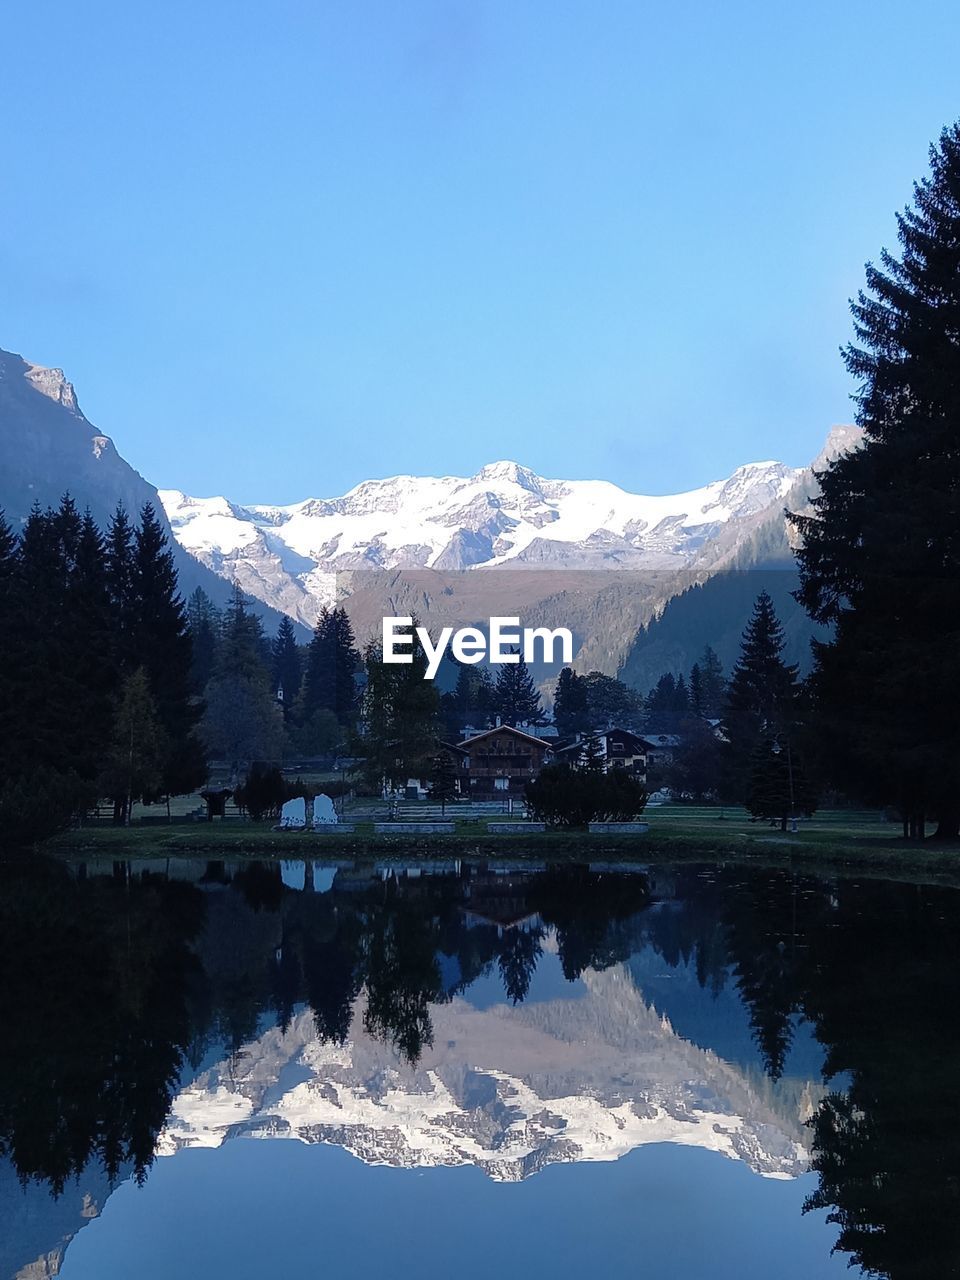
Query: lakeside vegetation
[839, 841]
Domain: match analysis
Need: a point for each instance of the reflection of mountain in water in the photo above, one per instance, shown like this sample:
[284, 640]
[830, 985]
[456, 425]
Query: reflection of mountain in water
[35, 1229]
[508, 1089]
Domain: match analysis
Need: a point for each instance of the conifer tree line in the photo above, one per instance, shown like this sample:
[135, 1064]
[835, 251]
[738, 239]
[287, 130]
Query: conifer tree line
[95, 694]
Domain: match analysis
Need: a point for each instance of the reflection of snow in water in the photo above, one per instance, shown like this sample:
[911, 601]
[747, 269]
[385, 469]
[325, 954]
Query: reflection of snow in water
[506, 1089]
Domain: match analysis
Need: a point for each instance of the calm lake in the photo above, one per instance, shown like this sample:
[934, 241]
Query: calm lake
[254, 1069]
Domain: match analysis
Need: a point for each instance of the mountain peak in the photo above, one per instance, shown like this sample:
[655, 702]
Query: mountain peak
[512, 471]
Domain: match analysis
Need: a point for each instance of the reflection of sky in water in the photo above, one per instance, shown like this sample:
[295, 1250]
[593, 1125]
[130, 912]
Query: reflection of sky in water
[253, 1210]
[547, 983]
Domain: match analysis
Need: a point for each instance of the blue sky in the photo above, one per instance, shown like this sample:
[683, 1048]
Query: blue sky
[282, 248]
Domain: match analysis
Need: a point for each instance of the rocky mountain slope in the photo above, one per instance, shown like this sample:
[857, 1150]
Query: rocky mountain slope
[48, 448]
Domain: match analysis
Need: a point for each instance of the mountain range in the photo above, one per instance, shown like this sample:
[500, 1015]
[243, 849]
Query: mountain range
[506, 1089]
[586, 554]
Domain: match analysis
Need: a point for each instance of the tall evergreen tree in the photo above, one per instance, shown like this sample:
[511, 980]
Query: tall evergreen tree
[696, 690]
[667, 704]
[443, 779]
[331, 665]
[516, 700]
[400, 720]
[242, 722]
[880, 557]
[591, 754]
[121, 586]
[285, 664]
[610, 702]
[204, 622]
[763, 700]
[88, 622]
[474, 696]
[133, 767]
[570, 709]
[162, 643]
[712, 686]
[9, 572]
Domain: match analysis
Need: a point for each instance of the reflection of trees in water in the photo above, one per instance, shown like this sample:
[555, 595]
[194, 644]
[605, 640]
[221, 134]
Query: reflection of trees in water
[93, 1006]
[883, 993]
[115, 987]
[518, 960]
[873, 967]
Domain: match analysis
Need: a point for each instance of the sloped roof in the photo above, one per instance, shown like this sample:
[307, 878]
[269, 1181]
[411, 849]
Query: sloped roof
[504, 728]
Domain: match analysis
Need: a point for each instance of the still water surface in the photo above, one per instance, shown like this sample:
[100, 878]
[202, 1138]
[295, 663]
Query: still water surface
[253, 1069]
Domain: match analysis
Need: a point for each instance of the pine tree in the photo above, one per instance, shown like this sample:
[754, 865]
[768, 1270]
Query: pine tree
[591, 754]
[880, 559]
[778, 787]
[162, 644]
[242, 722]
[570, 710]
[331, 665]
[681, 700]
[712, 685]
[443, 779]
[763, 700]
[121, 587]
[88, 622]
[204, 622]
[135, 763]
[516, 699]
[696, 690]
[661, 705]
[610, 702]
[285, 664]
[9, 572]
[400, 719]
[42, 658]
[474, 696]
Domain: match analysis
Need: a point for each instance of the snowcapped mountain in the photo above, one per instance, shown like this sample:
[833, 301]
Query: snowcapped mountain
[505, 516]
[506, 1089]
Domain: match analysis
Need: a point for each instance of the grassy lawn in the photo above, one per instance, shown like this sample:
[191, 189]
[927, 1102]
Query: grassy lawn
[837, 841]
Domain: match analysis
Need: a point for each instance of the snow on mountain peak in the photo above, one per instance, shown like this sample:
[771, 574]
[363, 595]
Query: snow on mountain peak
[504, 515]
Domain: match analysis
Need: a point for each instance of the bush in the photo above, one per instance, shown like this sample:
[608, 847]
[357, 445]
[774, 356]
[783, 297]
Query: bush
[565, 797]
[263, 792]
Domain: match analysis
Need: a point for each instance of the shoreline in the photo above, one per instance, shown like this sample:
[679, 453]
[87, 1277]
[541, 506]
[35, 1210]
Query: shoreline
[811, 852]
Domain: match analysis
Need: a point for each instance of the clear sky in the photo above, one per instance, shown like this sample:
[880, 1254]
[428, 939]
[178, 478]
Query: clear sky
[281, 248]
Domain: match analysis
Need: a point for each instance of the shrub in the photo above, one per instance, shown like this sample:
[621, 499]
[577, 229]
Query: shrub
[565, 797]
[263, 792]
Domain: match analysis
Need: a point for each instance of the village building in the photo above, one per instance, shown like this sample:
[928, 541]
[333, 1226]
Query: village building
[619, 748]
[501, 761]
